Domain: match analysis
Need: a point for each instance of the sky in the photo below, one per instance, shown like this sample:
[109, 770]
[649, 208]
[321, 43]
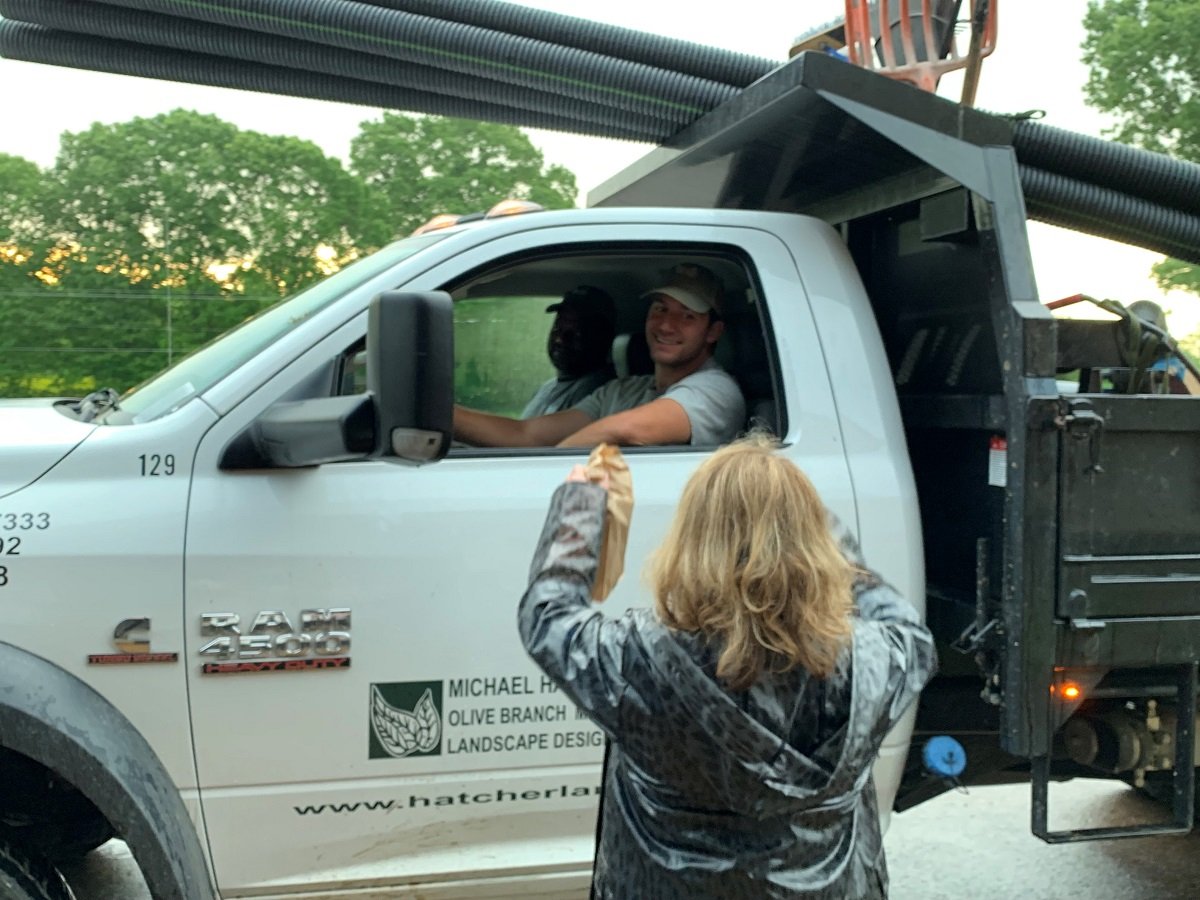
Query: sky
[1036, 65]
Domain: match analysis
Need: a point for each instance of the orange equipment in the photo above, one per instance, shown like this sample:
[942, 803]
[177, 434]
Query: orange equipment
[873, 28]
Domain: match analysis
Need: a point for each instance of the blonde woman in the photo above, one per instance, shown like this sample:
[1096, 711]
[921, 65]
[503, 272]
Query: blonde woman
[746, 710]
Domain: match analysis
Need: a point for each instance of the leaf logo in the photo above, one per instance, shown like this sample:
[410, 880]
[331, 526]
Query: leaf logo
[402, 732]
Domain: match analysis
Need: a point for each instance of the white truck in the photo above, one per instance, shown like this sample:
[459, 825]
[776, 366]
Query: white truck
[277, 664]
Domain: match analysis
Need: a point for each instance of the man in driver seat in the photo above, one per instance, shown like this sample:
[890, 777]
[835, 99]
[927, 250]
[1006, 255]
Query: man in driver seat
[688, 400]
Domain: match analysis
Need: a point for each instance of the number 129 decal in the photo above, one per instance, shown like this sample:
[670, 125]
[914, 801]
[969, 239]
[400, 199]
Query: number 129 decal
[155, 464]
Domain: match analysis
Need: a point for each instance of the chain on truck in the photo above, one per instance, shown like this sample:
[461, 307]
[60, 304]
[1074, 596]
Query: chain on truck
[276, 663]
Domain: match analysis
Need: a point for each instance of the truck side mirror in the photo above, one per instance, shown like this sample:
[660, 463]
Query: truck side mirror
[410, 375]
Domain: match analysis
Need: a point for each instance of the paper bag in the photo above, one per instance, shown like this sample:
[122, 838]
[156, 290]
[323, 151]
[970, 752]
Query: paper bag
[607, 460]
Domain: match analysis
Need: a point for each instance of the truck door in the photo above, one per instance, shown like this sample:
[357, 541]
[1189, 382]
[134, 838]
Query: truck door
[364, 712]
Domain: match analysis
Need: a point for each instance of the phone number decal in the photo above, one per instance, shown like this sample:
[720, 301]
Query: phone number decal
[10, 544]
[24, 521]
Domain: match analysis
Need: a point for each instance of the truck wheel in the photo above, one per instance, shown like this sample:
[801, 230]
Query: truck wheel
[24, 876]
[1158, 787]
[65, 843]
[47, 814]
[71, 831]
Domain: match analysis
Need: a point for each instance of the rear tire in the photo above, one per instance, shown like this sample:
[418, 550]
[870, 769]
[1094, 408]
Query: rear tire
[59, 843]
[1158, 787]
[27, 876]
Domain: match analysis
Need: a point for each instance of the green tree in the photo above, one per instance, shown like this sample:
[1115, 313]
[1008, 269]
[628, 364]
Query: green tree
[1145, 71]
[1191, 345]
[147, 238]
[1173, 274]
[1144, 58]
[21, 187]
[163, 232]
[419, 166]
[22, 184]
[181, 192]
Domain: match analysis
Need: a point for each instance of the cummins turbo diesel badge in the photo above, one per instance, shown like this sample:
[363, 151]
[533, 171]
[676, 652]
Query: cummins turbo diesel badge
[272, 643]
[131, 637]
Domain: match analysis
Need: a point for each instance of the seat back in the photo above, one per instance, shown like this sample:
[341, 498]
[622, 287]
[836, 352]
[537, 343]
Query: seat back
[631, 354]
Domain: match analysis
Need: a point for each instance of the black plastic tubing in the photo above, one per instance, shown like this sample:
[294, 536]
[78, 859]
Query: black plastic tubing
[1151, 176]
[156, 30]
[1111, 214]
[487, 55]
[685, 57]
[33, 43]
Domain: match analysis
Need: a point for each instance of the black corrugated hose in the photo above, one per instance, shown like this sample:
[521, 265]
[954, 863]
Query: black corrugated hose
[156, 30]
[33, 43]
[1149, 201]
[1107, 213]
[488, 55]
[1151, 176]
[711, 63]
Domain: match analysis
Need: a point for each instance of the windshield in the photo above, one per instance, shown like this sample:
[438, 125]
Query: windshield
[200, 370]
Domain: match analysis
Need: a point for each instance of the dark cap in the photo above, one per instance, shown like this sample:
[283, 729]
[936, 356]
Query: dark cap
[587, 301]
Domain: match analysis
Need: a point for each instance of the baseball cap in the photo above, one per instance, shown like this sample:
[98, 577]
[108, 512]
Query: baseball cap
[587, 301]
[694, 286]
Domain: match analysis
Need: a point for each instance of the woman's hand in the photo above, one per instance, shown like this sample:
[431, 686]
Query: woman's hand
[579, 473]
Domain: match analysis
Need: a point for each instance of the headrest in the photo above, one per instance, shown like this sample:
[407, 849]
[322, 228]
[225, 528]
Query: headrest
[631, 355]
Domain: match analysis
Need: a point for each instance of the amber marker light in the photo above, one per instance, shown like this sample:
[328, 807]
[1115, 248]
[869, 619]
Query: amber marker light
[445, 220]
[512, 208]
[1068, 690]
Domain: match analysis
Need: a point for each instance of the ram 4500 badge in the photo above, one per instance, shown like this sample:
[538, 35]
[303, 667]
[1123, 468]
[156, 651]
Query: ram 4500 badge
[273, 643]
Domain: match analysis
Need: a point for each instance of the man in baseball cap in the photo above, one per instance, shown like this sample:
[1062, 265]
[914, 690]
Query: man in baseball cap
[578, 345]
[695, 287]
[688, 400]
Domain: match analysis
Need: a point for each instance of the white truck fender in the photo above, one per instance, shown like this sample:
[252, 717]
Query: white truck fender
[50, 716]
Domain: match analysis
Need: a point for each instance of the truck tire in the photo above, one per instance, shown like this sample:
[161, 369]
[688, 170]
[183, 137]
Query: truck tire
[67, 729]
[1158, 787]
[74, 841]
[25, 876]
[45, 813]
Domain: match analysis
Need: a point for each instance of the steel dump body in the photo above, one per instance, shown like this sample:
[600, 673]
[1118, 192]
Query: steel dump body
[1061, 531]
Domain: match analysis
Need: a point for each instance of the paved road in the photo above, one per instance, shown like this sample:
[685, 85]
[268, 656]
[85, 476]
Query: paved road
[973, 845]
[979, 846]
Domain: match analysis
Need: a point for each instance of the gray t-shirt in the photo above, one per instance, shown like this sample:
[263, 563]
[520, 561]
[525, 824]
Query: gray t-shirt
[710, 397]
[556, 395]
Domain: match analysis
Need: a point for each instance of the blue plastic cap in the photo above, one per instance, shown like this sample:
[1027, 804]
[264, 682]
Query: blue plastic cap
[944, 756]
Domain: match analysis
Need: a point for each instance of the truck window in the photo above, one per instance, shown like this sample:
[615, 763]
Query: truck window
[202, 369]
[501, 323]
[500, 352]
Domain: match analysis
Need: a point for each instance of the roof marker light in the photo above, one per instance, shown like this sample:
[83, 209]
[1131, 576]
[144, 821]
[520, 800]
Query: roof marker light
[444, 220]
[512, 207]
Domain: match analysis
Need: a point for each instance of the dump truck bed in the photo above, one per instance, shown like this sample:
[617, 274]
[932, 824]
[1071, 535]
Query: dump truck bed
[1062, 532]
